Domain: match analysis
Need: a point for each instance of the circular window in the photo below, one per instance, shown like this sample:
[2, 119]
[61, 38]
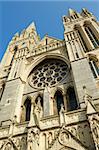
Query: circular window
[48, 73]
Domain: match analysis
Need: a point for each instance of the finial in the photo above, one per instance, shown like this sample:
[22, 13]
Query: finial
[71, 12]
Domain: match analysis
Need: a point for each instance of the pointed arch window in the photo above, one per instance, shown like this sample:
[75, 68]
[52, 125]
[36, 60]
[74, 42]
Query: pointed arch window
[59, 100]
[27, 105]
[94, 67]
[92, 36]
[71, 99]
[82, 41]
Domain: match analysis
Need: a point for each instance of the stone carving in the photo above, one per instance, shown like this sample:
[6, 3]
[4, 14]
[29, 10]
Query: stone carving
[18, 144]
[49, 73]
[73, 131]
[62, 119]
[94, 122]
[23, 143]
[64, 137]
[50, 138]
[38, 109]
[33, 138]
[9, 146]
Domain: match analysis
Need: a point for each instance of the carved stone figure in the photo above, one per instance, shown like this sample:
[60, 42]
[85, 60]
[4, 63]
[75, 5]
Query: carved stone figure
[38, 109]
[62, 114]
[50, 138]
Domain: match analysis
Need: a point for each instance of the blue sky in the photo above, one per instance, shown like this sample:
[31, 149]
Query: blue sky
[17, 15]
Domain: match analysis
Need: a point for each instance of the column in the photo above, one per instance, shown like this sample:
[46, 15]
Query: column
[65, 102]
[73, 49]
[51, 106]
[78, 49]
[70, 52]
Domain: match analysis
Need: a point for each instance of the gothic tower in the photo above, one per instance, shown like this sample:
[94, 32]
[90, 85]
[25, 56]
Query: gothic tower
[49, 88]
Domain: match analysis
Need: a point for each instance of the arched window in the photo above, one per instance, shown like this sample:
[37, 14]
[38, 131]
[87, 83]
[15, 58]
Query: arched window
[59, 100]
[27, 105]
[94, 67]
[71, 99]
[92, 36]
[82, 41]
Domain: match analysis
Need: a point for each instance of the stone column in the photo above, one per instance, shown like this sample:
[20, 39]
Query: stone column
[51, 106]
[70, 51]
[65, 102]
[78, 49]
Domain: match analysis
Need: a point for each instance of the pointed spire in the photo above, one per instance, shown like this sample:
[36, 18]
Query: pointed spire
[86, 12]
[31, 26]
[71, 12]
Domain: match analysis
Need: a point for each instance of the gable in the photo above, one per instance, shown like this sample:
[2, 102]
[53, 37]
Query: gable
[47, 41]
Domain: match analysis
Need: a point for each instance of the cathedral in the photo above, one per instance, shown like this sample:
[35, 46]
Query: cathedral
[49, 88]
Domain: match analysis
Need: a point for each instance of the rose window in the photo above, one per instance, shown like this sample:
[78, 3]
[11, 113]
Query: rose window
[48, 73]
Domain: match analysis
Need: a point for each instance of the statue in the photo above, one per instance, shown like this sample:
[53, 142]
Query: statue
[38, 109]
[61, 113]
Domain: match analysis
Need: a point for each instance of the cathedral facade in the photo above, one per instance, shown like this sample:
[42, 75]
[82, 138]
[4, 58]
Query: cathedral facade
[49, 88]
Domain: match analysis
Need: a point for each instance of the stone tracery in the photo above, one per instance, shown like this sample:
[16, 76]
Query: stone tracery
[48, 73]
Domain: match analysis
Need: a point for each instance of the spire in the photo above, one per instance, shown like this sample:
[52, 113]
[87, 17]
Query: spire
[31, 27]
[71, 12]
[86, 12]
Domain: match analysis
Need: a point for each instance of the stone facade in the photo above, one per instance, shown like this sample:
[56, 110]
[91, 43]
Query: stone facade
[49, 88]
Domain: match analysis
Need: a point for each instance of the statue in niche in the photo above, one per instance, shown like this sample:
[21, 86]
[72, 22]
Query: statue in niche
[62, 119]
[38, 108]
[50, 138]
